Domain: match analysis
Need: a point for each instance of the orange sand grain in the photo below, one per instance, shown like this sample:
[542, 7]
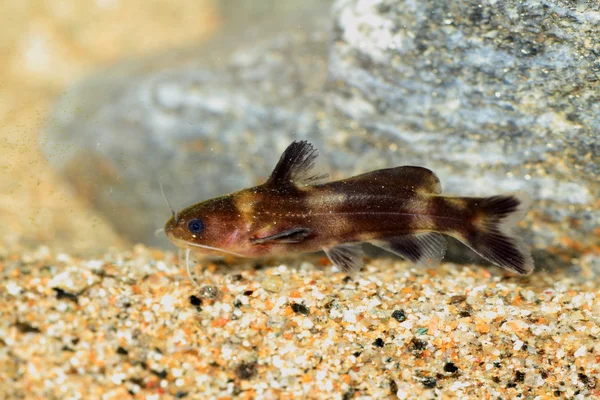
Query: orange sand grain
[288, 312]
[269, 305]
[517, 300]
[346, 378]
[220, 322]
[481, 326]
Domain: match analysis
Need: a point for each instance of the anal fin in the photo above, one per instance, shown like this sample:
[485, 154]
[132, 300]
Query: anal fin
[427, 248]
[347, 257]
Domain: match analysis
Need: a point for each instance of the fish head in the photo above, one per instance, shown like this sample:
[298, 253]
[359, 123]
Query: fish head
[212, 227]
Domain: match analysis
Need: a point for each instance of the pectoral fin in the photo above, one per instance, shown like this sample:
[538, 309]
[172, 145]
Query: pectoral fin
[426, 248]
[294, 235]
[347, 257]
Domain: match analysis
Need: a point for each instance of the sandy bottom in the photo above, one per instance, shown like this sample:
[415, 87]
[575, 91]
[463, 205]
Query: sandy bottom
[131, 324]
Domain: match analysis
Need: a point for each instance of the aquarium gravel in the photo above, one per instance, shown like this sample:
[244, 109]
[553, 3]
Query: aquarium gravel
[131, 325]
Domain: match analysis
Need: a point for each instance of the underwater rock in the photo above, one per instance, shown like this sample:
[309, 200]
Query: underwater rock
[492, 97]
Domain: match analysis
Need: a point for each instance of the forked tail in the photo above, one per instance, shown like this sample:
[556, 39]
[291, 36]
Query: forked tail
[491, 234]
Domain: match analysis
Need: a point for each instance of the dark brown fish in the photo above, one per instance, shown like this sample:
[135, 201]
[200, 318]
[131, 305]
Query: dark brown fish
[398, 209]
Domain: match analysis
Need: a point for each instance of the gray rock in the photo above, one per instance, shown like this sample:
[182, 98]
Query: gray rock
[493, 97]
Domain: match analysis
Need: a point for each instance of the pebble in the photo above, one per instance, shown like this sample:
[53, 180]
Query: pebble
[272, 283]
[300, 309]
[13, 289]
[72, 280]
[580, 352]
[399, 315]
[450, 367]
[349, 316]
[209, 292]
[168, 303]
[534, 380]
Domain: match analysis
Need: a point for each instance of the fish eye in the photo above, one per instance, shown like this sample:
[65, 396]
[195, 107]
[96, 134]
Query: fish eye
[195, 226]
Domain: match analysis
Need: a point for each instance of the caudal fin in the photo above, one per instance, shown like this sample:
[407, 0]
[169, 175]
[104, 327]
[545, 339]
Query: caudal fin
[491, 235]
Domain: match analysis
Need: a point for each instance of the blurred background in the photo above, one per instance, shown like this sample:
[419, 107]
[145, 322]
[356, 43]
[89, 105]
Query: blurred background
[102, 100]
[45, 47]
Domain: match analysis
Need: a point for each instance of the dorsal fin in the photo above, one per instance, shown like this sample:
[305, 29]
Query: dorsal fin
[409, 177]
[295, 165]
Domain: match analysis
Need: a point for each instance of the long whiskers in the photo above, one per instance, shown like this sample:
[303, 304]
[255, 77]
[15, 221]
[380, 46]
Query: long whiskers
[212, 248]
[187, 267]
[175, 214]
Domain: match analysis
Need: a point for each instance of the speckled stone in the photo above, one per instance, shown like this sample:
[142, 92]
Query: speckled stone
[493, 98]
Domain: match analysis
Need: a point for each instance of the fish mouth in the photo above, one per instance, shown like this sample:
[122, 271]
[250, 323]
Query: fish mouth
[200, 248]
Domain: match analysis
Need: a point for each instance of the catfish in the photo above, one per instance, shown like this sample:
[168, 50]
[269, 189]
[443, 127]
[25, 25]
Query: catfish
[401, 210]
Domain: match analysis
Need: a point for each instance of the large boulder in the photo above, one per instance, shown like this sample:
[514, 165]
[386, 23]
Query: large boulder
[493, 97]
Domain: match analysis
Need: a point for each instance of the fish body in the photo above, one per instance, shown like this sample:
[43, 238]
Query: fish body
[398, 209]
